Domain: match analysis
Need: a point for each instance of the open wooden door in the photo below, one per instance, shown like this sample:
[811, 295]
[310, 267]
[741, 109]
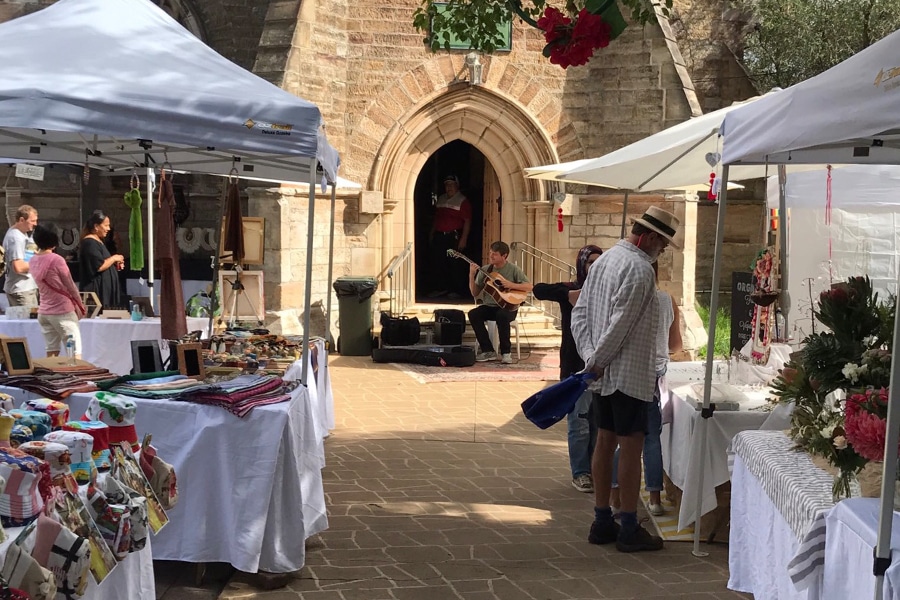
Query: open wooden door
[492, 206]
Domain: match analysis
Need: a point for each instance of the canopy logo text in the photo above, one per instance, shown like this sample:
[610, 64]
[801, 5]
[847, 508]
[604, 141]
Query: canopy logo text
[269, 128]
[886, 75]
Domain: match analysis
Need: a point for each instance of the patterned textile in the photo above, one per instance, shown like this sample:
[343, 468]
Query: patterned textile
[58, 411]
[20, 501]
[100, 432]
[24, 573]
[6, 425]
[19, 434]
[161, 476]
[116, 411]
[66, 554]
[7, 402]
[614, 322]
[80, 445]
[118, 493]
[37, 422]
[113, 520]
[55, 454]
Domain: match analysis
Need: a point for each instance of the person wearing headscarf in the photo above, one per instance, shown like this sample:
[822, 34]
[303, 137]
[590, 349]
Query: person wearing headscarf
[582, 433]
[99, 269]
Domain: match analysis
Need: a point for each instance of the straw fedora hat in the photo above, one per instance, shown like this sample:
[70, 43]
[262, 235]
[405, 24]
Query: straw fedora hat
[662, 222]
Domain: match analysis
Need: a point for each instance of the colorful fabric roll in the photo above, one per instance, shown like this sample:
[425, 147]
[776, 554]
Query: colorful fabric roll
[37, 422]
[20, 501]
[6, 425]
[58, 411]
[100, 432]
[80, 445]
[7, 402]
[57, 455]
[19, 435]
[119, 413]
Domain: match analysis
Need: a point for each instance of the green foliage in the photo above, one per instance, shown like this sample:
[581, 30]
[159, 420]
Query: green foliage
[792, 40]
[478, 21]
[723, 331]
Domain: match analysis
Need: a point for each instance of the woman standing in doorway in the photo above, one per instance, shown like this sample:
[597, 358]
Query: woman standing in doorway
[99, 268]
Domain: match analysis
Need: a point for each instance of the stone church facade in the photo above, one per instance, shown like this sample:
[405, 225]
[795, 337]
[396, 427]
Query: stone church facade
[402, 117]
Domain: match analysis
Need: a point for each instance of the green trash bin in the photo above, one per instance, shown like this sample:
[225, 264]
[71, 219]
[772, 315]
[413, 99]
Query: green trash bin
[355, 320]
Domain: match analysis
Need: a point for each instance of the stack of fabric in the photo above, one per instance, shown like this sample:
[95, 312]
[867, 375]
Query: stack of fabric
[238, 396]
[60, 382]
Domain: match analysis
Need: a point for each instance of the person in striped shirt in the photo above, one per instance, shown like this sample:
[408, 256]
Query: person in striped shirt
[614, 324]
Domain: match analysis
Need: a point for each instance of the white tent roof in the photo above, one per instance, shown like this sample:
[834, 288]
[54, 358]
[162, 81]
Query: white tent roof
[103, 75]
[848, 114]
[856, 188]
[673, 159]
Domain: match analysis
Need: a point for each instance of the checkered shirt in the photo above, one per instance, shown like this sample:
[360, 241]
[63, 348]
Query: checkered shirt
[615, 319]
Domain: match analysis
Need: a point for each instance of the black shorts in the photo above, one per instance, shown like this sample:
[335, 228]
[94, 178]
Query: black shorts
[620, 413]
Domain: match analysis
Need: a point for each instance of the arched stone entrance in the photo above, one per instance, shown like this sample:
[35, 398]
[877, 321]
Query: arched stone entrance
[509, 137]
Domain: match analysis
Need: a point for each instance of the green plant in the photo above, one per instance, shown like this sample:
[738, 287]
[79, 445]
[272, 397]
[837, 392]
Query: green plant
[723, 331]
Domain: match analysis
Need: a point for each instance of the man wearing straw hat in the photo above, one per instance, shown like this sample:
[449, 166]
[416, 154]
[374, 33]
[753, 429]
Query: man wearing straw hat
[614, 324]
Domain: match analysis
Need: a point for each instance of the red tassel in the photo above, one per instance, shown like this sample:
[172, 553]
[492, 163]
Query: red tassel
[559, 222]
[711, 195]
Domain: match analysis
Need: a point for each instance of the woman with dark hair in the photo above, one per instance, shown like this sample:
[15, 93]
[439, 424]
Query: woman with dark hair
[98, 266]
[582, 433]
[60, 304]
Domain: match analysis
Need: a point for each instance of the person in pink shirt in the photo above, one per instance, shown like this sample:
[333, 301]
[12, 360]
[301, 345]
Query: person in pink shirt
[60, 302]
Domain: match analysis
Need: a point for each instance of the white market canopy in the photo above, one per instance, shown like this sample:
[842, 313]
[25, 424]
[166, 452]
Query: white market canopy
[116, 79]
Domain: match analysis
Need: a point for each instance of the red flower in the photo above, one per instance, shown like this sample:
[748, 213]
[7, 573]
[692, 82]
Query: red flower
[554, 24]
[865, 423]
[573, 45]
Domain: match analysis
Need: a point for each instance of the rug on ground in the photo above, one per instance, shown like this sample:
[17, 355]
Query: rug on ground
[534, 366]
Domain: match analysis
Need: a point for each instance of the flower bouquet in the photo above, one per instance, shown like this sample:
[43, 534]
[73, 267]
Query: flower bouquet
[572, 39]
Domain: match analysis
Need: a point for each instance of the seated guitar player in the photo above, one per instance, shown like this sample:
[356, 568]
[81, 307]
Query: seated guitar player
[489, 285]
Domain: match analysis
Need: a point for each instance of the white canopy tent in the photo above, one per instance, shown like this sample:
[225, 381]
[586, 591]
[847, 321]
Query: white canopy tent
[122, 85]
[847, 114]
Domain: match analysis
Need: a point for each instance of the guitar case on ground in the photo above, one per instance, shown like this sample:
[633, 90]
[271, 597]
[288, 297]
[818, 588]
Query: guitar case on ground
[433, 356]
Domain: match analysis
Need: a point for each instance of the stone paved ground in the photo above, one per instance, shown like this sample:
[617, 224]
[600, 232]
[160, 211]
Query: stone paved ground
[444, 491]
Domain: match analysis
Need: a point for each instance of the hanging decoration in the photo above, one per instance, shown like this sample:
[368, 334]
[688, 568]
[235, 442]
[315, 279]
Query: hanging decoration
[133, 201]
[828, 223]
[559, 219]
[764, 295]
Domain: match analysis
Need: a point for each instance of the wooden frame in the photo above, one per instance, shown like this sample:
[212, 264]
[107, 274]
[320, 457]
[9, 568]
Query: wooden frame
[190, 361]
[92, 302]
[254, 241]
[139, 358]
[144, 303]
[251, 304]
[16, 357]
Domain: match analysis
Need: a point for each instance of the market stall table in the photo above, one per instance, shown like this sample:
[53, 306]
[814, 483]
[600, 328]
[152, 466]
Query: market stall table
[105, 342]
[682, 448]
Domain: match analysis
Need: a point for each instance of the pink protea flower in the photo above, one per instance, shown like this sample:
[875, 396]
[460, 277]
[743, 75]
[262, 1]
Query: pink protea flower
[865, 424]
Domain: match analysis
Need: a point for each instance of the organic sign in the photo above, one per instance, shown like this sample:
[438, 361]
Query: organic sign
[741, 309]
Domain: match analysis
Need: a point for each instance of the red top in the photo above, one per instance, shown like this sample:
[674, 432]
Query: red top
[451, 213]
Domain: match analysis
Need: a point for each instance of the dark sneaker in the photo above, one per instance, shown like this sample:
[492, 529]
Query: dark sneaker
[583, 483]
[603, 532]
[639, 540]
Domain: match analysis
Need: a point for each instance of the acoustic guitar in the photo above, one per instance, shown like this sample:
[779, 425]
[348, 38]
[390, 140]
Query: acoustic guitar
[495, 285]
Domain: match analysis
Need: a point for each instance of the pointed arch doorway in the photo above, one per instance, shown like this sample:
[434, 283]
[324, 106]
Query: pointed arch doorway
[445, 280]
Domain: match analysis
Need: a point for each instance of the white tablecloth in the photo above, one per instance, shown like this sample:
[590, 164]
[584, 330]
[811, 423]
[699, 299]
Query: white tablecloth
[132, 578]
[320, 392]
[105, 342]
[851, 534]
[682, 448]
[250, 490]
[760, 543]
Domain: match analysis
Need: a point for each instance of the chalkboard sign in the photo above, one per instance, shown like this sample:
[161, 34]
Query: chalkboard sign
[741, 309]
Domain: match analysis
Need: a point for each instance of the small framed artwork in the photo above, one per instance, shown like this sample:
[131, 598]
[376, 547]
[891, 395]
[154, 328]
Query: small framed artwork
[145, 356]
[242, 295]
[254, 241]
[144, 303]
[190, 360]
[16, 357]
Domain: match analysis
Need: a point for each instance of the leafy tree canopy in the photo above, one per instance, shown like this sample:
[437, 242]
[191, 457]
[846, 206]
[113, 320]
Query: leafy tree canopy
[788, 41]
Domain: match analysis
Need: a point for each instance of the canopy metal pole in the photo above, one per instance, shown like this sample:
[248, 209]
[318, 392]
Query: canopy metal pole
[150, 236]
[886, 515]
[707, 411]
[624, 215]
[330, 268]
[784, 301]
[311, 215]
[215, 292]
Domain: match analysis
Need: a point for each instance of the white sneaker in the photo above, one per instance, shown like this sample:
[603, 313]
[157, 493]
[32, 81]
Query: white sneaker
[656, 510]
[506, 359]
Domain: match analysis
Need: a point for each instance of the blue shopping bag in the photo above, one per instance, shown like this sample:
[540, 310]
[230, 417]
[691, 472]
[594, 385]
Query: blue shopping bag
[548, 406]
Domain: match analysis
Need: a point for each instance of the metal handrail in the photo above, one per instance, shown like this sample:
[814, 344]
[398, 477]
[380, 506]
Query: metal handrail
[400, 270]
[541, 267]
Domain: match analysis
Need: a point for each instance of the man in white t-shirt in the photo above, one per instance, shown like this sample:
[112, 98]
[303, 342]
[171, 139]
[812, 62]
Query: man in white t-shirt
[18, 248]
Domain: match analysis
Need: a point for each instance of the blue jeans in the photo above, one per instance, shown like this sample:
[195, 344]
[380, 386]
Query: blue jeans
[582, 436]
[652, 455]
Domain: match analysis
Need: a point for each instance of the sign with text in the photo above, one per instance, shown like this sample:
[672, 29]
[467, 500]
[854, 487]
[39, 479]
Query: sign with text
[29, 172]
[742, 308]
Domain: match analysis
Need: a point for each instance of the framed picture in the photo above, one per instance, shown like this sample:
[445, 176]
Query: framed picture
[16, 357]
[242, 295]
[92, 303]
[144, 303]
[145, 356]
[190, 360]
[254, 241]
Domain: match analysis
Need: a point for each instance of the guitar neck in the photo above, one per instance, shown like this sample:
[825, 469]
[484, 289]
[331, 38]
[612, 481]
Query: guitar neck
[470, 261]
